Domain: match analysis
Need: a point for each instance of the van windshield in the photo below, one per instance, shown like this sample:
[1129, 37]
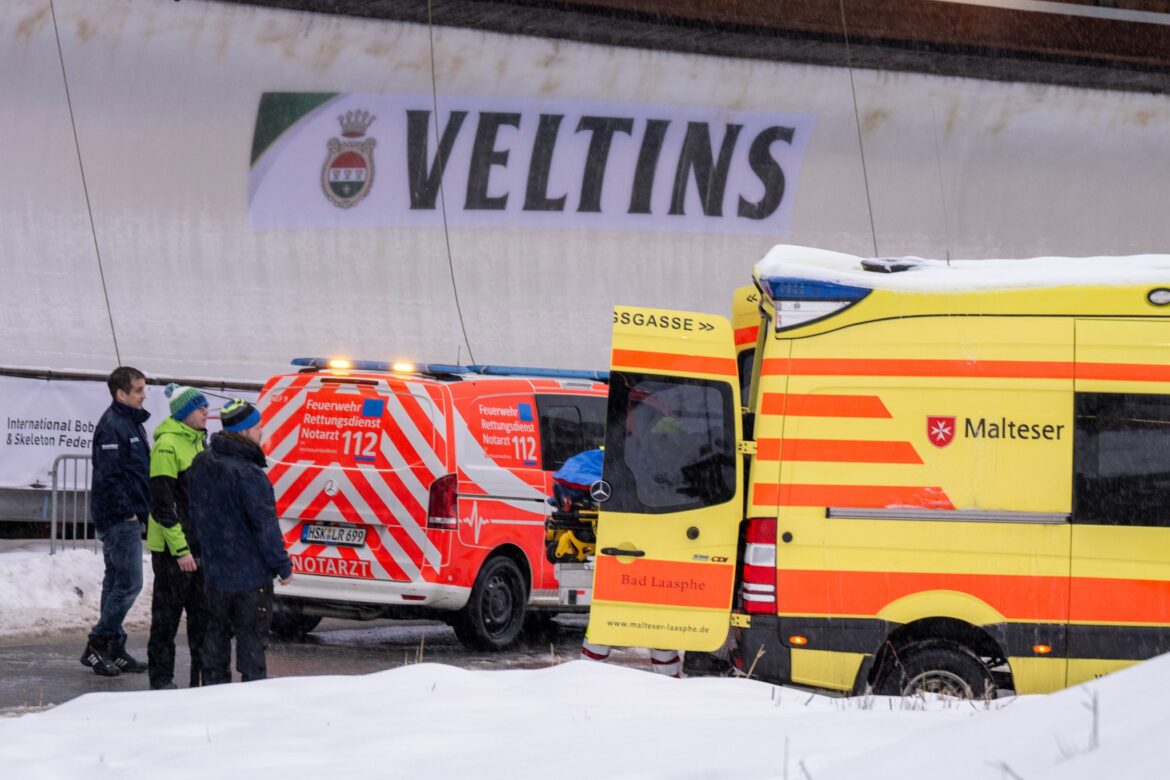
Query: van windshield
[669, 443]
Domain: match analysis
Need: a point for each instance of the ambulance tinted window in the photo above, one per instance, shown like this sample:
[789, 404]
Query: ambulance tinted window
[669, 443]
[744, 363]
[569, 425]
[1122, 459]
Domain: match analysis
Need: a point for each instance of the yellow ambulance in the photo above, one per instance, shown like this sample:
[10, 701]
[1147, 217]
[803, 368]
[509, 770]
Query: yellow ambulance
[943, 476]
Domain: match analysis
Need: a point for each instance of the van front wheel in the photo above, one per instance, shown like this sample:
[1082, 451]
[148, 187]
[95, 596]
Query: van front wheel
[494, 615]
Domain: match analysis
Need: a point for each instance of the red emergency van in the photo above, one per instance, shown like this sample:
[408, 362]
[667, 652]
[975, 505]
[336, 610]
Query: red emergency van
[412, 491]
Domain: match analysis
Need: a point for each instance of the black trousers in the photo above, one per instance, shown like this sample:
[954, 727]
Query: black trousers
[246, 615]
[175, 592]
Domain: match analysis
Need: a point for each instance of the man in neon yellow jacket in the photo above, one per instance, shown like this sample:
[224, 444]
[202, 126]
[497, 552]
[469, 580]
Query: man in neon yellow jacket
[174, 549]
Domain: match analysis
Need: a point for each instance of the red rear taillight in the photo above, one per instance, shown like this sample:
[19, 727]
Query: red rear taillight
[759, 566]
[443, 506]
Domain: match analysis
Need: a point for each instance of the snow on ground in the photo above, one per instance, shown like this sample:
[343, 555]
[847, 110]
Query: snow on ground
[574, 720]
[42, 594]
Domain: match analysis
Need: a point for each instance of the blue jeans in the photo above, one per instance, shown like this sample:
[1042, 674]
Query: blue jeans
[122, 550]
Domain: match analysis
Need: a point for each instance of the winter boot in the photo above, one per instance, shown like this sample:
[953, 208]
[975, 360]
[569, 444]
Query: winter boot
[123, 660]
[97, 657]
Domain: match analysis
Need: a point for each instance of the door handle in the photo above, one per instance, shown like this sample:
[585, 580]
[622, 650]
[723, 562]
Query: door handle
[619, 551]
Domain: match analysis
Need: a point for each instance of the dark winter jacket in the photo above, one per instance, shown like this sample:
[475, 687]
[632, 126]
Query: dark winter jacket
[233, 512]
[121, 467]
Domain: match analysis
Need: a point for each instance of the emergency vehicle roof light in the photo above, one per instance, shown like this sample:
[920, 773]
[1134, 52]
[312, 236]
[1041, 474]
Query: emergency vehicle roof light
[798, 301]
[381, 365]
[446, 368]
[790, 288]
[552, 373]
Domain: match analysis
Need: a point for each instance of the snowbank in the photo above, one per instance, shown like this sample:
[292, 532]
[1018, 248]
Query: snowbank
[44, 594]
[575, 720]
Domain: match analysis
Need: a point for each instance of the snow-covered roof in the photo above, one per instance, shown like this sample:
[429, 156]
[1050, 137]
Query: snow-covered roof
[924, 275]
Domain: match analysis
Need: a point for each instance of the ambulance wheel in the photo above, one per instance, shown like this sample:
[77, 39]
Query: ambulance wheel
[289, 623]
[539, 627]
[937, 667]
[292, 627]
[494, 615]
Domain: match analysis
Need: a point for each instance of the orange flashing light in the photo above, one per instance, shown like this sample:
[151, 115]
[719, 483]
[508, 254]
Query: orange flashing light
[1041, 649]
[402, 367]
[796, 640]
[340, 363]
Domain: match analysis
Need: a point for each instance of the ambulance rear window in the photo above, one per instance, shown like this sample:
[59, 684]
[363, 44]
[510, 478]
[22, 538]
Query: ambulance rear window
[569, 425]
[669, 443]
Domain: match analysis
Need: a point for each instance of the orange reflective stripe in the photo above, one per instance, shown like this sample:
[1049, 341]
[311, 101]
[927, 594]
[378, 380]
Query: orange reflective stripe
[1042, 599]
[666, 361]
[670, 583]
[1098, 599]
[836, 451]
[804, 405]
[1131, 372]
[853, 496]
[987, 369]
[746, 335]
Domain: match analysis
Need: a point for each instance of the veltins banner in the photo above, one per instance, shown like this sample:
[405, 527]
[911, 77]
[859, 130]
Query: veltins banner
[43, 419]
[360, 160]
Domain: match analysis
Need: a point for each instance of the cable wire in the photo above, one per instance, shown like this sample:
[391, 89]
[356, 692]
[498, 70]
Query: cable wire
[857, 120]
[442, 189]
[85, 186]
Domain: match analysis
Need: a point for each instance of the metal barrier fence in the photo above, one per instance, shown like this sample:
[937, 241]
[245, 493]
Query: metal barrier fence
[69, 520]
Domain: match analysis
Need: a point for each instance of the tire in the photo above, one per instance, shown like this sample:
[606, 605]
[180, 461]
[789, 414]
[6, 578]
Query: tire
[942, 668]
[289, 623]
[539, 628]
[494, 615]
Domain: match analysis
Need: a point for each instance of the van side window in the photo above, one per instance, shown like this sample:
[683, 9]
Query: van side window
[744, 363]
[1121, 457]
[669, 443]
[569, 425]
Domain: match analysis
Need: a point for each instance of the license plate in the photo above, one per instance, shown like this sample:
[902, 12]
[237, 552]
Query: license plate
[343, 535]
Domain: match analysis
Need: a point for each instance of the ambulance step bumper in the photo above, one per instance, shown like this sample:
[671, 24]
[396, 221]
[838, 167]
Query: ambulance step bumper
[310, 587]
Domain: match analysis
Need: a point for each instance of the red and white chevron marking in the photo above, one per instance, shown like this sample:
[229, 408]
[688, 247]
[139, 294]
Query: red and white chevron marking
[388, 496]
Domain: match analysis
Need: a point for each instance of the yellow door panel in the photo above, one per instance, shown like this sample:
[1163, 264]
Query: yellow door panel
[1119, 594]
[666, 535]
[824, 669]
[1037, 675]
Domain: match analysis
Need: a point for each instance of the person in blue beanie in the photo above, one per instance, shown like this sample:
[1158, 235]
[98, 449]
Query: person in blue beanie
[119, 505]
[233, 509]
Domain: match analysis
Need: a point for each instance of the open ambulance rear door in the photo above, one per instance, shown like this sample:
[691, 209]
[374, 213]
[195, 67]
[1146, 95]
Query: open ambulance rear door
[745, 320]
[667, 531]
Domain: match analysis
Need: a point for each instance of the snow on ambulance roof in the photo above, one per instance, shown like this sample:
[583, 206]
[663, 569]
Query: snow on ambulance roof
[917, 274]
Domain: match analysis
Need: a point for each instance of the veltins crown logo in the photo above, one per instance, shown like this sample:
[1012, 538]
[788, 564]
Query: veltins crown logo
[348, 172]
[940, 430]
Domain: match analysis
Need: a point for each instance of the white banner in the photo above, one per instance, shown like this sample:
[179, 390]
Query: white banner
[43, 419]
[359, 160]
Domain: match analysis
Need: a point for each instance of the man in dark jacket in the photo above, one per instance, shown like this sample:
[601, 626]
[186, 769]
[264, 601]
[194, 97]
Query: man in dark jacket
[174, 548]
[119, 505]
[233, 510]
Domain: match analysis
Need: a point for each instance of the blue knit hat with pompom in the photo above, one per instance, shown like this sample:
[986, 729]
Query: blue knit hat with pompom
[184, 400]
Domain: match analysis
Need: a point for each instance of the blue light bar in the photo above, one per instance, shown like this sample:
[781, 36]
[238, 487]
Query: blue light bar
[789, 288]
[381, 365]
[551, 373]
[446, 368]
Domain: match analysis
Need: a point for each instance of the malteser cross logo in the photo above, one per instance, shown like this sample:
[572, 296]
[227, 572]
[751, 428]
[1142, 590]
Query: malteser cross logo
[348, 172]
[940, 430]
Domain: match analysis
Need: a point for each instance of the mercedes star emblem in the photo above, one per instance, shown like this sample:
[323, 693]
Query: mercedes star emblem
[600, 491]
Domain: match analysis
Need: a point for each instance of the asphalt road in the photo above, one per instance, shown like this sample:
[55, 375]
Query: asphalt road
[42, 673]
